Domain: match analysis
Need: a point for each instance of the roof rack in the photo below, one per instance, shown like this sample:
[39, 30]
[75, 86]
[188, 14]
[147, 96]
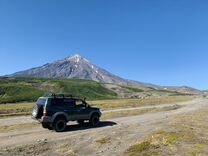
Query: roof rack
[62, 96]
[54, 95]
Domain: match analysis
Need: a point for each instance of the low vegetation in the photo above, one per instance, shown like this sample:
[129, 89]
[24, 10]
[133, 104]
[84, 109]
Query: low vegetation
[103, 140]
[183, 135]
[11, 93]
[16, 109]
[40, 148]
[13, 90]
[126, 103]
[29, 89]
[124, 113]
[17, 126]
[33, 149]
[84, 88]
[132, 89]
[150, 146]
[66, 149]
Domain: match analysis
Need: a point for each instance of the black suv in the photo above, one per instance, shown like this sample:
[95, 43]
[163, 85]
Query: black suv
[53, 111]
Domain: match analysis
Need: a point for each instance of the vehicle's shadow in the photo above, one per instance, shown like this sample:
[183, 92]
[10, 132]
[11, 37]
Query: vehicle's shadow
[87, 126]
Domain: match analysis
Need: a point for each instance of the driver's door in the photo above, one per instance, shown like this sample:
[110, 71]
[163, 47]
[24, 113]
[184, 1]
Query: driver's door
[81, 110]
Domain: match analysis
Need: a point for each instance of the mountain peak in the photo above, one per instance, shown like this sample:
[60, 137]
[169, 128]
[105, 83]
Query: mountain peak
[76, 58]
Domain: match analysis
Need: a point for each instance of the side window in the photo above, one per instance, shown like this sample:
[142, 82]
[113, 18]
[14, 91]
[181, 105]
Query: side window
[69, 102]
[57, 102]
[79, 103]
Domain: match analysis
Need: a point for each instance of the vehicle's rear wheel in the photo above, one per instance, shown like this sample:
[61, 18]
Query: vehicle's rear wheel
[59, 125]
[94, 120]
[81, 122]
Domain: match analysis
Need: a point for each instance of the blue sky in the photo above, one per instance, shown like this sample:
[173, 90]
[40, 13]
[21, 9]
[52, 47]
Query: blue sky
[157, 41]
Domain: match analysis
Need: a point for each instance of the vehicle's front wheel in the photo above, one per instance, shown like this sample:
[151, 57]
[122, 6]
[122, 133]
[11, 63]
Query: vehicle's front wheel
[59, 125]
[94, 120]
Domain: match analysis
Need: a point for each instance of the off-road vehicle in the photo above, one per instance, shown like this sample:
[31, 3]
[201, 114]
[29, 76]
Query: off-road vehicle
[53, 111]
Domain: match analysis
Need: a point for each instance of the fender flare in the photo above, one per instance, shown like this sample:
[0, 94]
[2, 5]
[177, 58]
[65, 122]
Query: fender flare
[95, 112]
[59, 114]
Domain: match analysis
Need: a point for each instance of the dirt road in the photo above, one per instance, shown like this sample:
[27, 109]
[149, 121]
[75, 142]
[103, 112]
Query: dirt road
[27, 119]
[112, 137]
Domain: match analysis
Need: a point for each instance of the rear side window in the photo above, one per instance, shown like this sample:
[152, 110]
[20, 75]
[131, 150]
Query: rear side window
[57, 102]
[69, 102]
[41, 101]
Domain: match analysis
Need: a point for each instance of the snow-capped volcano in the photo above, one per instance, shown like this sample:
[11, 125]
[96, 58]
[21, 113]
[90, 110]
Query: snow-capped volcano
[75, 67]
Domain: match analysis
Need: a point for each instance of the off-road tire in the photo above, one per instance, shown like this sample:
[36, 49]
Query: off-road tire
[59, 124]
[94, 120]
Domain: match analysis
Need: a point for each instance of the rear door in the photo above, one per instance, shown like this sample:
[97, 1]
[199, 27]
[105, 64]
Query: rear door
[70, 108]
[56, 105]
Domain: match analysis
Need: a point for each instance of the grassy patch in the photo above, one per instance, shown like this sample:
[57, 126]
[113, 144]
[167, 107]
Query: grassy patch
[67, 150]
[10, 93]
[139, 149]
[103, 140]
[16, 109]
[29, 89]
[17, 127]
[124, 113]
[126, 103]
[150, 146]
[86, 88]
[164, 91]
[180, 94]
[164, 138]
[183, 135]
[33, 149]
[133, 89]
[196, 150]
